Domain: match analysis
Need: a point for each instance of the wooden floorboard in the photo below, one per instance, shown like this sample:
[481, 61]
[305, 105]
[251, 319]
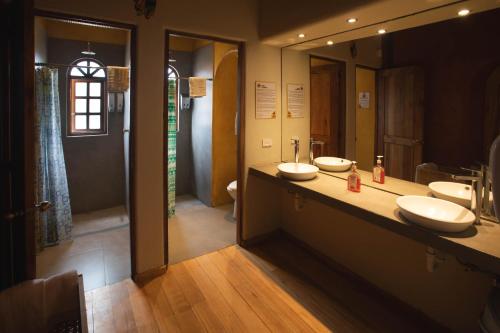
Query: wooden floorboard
[263, 289]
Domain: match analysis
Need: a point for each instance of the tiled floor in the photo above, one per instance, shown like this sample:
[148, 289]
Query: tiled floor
[99, 220]
[197, 229]
[102, 257]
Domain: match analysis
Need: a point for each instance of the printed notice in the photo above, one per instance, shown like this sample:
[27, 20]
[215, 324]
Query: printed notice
[364, 100]
[296, 100]
[265, 100]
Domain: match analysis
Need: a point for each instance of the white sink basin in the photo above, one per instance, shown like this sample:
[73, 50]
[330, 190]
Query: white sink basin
[436, 214]
[298, 171]
[335, 164]
[455, 192]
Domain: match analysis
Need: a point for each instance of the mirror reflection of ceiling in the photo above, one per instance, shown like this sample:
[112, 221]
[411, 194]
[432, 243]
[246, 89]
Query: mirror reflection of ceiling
[83, 32]
[282, 28]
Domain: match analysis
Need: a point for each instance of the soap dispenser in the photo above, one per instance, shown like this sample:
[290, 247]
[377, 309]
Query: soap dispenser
[379, 171]
[354, 179]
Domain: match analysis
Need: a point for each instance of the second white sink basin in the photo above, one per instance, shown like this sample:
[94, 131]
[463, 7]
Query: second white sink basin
[334, 164]
[455, 192]
[298, 171]
[436, 214]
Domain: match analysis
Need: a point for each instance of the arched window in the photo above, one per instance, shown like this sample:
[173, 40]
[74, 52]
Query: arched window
[87, 103]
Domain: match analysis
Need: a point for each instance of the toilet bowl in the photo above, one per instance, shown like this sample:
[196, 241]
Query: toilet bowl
[232, 190]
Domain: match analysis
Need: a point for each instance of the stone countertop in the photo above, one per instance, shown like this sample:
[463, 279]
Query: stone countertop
[478, 245]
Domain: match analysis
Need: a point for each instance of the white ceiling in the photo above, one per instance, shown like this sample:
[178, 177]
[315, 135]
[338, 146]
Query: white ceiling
[392, 15]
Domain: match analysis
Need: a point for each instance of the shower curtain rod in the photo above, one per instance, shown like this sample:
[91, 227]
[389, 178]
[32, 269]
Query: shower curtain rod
[186, 78]
[63, 65]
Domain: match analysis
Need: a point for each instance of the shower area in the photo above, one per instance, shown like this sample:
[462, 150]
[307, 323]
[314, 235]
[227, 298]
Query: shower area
[82, 121]
[201, 145]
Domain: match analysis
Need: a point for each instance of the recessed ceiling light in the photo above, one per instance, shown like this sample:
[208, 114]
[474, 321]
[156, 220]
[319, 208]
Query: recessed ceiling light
[381, 31]
[302, 35]
[330, 42]
[352, 20]
[463, 12]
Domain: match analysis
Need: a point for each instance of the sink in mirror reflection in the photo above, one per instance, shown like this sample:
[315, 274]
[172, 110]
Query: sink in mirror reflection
[333, 164]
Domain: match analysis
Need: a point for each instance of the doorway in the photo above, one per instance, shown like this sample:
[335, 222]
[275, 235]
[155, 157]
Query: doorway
[203, 155]
[366, 115]
[84, 86]
[328, 105]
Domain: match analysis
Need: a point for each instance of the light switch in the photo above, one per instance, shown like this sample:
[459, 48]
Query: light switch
[267, 143]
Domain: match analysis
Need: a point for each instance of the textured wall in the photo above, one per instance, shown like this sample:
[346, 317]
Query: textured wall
[184, 183]
[94, 164]
[225, 104]
[201, 130]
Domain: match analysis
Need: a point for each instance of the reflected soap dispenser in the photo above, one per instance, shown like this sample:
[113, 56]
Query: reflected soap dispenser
[379, 171]
[354, 179]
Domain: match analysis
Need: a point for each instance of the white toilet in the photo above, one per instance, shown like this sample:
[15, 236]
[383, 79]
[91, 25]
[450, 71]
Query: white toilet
[232, 190]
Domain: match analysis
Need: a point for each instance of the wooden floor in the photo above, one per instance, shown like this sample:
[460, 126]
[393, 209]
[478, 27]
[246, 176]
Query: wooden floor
[263, 289]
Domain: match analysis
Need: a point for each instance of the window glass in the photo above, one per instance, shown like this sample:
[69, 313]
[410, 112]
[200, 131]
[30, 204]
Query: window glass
[80, 122]
[95, 105]
[94, 122]
[80, 105]
[81, 89]
[95, 89]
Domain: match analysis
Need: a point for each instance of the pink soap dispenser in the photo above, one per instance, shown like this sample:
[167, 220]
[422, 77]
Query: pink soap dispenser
[354, 180]
[379, 171]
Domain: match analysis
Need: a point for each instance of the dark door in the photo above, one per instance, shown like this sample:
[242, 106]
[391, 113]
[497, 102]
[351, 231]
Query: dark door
[17, 256]
[327, 108]
[400, 133]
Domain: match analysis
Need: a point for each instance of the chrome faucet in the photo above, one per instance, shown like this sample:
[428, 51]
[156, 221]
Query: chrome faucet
[295, 143]
[312, 143]
[476, 179]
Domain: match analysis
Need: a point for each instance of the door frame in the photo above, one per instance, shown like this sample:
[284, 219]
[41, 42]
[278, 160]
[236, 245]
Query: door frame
[241, 130]
[133, 114]
[343, 98]
[376, 143]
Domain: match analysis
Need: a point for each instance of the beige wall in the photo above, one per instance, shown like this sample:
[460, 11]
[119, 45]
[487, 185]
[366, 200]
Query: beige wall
[451, 295]
[221, 18]
[295, 69]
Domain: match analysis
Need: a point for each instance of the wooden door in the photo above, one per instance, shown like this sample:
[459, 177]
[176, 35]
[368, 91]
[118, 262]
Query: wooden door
[17, 253]
[365, 117]
[400, 132]
[327, 108]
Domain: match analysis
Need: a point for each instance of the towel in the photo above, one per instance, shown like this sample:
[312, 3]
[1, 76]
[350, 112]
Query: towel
[118, 79]
[197, 87]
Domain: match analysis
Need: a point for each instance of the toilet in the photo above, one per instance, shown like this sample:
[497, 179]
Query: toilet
[232, 190]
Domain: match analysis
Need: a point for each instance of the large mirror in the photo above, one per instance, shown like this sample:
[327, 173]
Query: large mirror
[425, 97]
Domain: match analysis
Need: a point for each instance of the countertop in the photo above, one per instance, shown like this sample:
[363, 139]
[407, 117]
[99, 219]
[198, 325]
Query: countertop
[479, 245]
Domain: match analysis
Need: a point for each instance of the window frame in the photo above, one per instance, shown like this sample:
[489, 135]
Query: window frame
[71, 114]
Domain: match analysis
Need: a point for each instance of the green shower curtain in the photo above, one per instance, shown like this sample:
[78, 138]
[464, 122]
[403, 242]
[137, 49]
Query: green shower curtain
[171, 140]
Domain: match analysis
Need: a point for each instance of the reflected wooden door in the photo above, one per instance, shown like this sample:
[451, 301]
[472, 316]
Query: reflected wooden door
[326, 108]
[400, 132]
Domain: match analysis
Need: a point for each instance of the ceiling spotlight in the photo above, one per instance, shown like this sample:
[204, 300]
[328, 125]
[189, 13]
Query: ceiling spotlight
[352, 20]
[463, 12]
[381, 31]
[330, 42]
[302, 35]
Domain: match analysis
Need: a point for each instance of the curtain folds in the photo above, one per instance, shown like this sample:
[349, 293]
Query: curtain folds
[172, 143]
[54, 225]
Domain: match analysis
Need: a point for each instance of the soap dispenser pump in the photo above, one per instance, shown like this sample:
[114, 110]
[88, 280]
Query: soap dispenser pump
[354, 179]
[379, 171]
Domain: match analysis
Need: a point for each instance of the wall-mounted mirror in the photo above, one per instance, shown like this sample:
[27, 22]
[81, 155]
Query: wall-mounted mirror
[426, 97]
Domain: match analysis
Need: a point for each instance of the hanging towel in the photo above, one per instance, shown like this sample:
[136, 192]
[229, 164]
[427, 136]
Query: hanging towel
[118, 79]
[197, 87]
